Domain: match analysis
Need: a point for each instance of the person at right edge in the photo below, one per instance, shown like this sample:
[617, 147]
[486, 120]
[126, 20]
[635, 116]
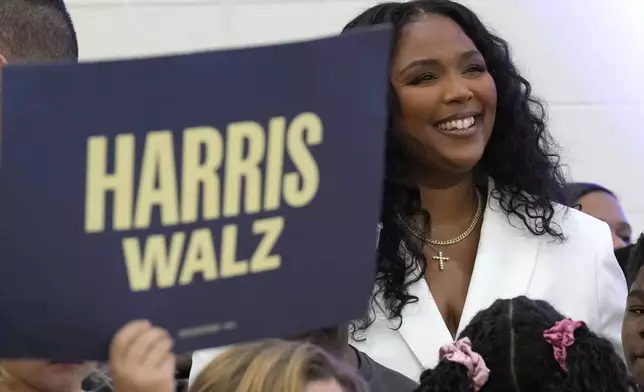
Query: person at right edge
[633, 328]
[471, 210]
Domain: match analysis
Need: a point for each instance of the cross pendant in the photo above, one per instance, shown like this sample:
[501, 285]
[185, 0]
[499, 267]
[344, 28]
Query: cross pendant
[441, 260]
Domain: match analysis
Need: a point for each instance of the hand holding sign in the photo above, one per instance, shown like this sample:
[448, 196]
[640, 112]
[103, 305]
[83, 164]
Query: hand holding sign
[141, 359]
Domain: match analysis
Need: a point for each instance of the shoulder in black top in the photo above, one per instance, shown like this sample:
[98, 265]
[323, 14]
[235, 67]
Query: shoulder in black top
[380, 378]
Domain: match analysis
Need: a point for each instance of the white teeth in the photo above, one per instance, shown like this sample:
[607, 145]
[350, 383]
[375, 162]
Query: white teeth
[457, 124]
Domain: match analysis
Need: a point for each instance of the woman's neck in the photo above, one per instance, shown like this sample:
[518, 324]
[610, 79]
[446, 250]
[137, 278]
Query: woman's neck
[449, 204]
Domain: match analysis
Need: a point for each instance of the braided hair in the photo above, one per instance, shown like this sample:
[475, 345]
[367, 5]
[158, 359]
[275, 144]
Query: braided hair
[509, 337]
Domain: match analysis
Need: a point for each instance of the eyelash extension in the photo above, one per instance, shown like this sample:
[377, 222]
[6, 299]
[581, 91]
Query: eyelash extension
[477, 68]
[423, 78]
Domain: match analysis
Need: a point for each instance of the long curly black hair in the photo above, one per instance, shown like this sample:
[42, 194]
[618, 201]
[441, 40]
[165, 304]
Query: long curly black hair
[509, 337]
[520, 156]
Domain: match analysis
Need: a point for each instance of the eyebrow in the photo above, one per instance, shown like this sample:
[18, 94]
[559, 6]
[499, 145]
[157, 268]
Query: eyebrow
[636, 293]
[432, 62]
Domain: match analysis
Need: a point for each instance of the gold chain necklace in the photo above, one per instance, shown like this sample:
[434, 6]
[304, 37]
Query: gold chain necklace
[440, 257]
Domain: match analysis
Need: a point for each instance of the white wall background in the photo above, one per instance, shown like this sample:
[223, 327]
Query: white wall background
[585, 57]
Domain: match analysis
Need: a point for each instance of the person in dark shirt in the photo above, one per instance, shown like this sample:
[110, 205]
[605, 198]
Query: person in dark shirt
[380, 379]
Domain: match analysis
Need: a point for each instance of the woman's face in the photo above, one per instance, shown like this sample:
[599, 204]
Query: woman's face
[606, 207]
[447, 96]
[48, 376]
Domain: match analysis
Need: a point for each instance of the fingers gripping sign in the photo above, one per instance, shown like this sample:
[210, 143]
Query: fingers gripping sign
[141, 359]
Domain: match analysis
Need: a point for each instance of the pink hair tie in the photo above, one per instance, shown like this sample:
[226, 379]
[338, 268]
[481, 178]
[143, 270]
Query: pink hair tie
[561, 336]
[461, 352]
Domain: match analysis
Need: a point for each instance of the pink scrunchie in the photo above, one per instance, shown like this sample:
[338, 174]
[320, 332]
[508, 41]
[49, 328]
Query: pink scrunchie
[561, 336]
[461, 352]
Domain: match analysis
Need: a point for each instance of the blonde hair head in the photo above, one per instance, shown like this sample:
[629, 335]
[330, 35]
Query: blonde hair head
[274, 366]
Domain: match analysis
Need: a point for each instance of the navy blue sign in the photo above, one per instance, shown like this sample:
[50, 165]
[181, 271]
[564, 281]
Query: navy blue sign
[225, 196]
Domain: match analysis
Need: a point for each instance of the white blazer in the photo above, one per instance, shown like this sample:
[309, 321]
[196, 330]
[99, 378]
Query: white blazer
[580, 277]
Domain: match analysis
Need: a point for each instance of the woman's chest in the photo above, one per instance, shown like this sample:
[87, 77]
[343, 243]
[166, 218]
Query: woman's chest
[448, 276]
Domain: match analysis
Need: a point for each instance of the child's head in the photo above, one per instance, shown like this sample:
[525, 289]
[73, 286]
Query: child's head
[509, 336]
[43, 376]
[275, 365]
[633, 326]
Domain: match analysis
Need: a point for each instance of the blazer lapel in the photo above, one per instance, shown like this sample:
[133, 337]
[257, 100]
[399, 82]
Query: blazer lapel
[423, 328]
[505, 261]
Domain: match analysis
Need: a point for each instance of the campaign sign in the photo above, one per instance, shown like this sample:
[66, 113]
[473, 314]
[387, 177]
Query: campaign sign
[226, 196]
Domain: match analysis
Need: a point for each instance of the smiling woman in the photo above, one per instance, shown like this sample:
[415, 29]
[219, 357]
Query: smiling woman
[470, 207]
